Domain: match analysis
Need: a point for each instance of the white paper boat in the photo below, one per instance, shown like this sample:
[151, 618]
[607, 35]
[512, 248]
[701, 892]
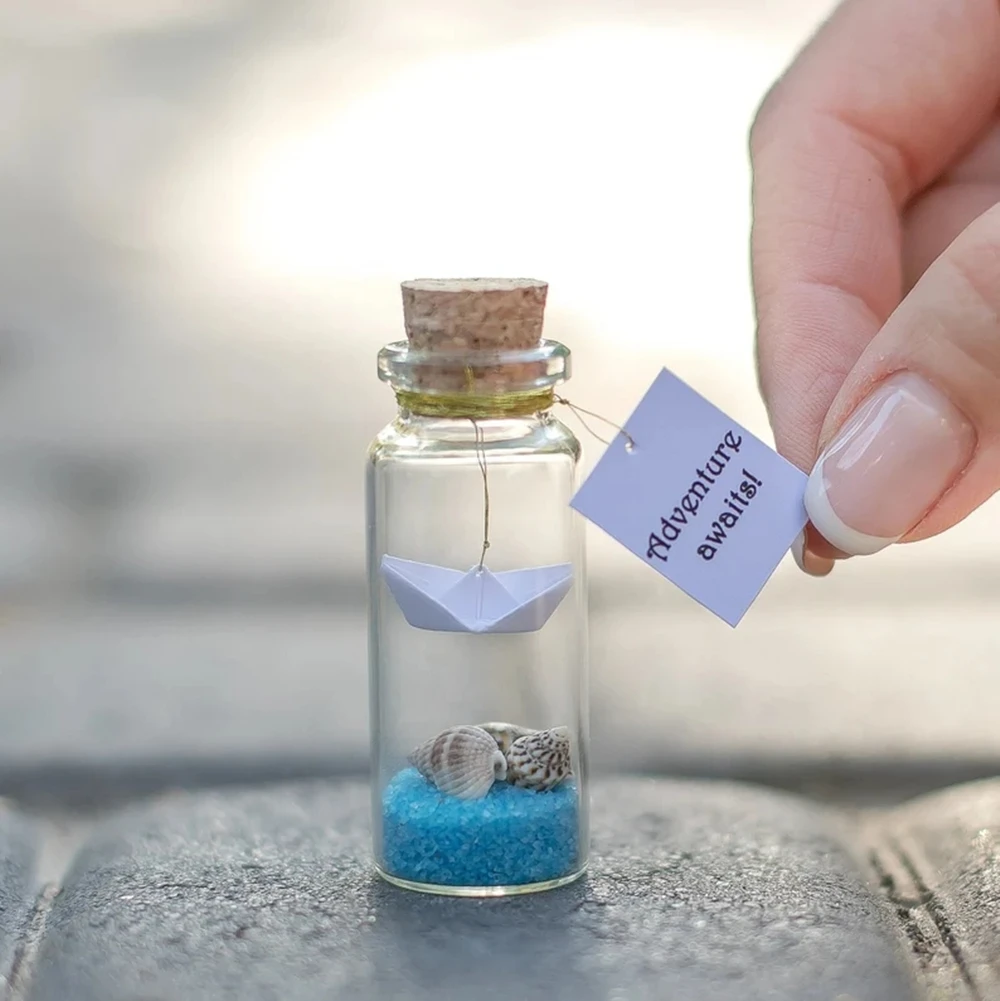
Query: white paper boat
[476, 600]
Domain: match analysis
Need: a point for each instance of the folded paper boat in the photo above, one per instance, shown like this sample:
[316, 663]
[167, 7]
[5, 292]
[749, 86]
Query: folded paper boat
[476, 600]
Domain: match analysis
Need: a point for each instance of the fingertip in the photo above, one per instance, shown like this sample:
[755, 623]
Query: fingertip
[808, 561]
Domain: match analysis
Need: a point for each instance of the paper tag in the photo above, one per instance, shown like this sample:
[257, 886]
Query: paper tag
[699, 498]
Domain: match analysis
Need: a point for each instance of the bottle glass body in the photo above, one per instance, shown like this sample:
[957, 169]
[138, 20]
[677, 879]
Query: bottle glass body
[428, 480]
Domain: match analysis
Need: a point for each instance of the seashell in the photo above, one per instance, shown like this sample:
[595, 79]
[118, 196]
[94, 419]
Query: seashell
[506, 733]
[463, 761]
[540, 760]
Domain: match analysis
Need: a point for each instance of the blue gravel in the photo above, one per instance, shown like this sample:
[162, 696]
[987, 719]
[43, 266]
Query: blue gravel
[510, 837]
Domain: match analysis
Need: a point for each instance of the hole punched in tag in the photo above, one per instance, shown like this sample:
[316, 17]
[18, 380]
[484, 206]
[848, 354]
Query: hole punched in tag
[630, 445]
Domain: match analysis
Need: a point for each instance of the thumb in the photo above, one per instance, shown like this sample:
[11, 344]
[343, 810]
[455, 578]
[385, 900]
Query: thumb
[912, 439]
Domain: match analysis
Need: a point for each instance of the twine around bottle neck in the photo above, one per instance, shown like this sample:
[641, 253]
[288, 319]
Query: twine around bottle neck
[466, 405]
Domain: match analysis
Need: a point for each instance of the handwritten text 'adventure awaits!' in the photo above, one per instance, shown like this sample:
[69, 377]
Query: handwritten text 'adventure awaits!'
[732, 506]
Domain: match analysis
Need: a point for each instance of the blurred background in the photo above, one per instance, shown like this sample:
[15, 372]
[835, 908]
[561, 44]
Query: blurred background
[206, 208]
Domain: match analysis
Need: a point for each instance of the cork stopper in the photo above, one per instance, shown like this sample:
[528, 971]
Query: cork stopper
[474, 314]
[451, 316]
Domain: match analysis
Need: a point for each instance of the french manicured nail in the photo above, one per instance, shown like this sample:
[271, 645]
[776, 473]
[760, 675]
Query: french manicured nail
[891, 461]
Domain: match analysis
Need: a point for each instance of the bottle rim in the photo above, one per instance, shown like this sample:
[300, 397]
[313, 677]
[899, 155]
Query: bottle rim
[407, 369]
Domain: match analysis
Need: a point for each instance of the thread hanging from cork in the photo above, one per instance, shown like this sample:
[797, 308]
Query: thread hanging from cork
[444, 316]
[578, 410]
[481, 459]
[480, 439]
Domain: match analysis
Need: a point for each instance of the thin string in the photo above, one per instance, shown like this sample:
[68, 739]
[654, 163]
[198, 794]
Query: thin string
[481, 459]
[469, 405]
[579, 411]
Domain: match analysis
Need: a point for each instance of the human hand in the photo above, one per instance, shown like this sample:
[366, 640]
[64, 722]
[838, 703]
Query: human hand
[876, 269]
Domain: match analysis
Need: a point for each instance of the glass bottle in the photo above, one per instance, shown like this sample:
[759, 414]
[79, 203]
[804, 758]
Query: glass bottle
[478, 604]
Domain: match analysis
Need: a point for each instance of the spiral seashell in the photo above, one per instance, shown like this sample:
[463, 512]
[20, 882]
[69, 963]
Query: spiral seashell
[506, 733]
[463, 761]
[540, 760]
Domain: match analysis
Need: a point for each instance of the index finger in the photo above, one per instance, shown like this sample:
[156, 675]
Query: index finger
[874, 108]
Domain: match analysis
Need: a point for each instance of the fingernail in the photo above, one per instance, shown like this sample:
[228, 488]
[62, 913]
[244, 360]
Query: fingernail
[808, 562]
[891, 461]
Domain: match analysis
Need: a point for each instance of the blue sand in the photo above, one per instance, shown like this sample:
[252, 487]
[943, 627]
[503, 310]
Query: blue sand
[510, 837]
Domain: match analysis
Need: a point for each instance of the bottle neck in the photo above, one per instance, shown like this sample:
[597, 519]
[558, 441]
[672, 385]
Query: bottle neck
[522, 403]
[474, 384]
[537, 431]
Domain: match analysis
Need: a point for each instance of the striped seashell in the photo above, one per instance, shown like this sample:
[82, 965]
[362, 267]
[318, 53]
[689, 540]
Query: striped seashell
[540, 760]
[506, 733]
[463, 761]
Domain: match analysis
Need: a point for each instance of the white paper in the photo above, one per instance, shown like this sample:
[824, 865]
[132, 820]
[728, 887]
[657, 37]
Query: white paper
[698, 498]
[476, 600]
